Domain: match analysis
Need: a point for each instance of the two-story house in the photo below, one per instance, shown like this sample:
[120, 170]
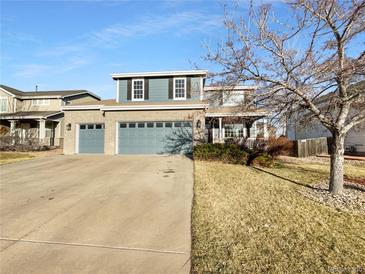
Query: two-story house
[37, 115]
[157, 113]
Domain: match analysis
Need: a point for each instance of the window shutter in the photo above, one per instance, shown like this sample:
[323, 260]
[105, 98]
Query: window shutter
[146, 88]
[188, 87]
[171, 88]
[129, 89]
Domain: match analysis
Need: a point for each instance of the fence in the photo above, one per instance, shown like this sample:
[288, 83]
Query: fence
[312, 147]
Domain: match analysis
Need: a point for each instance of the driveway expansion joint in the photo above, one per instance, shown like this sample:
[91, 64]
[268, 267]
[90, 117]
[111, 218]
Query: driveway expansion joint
[125, 248]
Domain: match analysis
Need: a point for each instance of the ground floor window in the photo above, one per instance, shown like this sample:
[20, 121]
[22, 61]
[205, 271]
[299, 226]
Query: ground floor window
[233, 131]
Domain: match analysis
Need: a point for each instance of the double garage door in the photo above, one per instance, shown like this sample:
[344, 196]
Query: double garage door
[140, 137]
[154, 137]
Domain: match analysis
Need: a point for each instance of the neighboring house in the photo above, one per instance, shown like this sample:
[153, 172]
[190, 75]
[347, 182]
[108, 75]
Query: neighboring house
[227, 117]
[298, 127]
[37, 115]
[156, 113]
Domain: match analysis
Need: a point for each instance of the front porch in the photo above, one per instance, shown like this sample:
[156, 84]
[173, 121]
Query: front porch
[29, 129]
[227, 126]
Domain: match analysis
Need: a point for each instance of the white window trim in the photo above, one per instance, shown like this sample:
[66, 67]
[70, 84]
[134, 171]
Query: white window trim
[174, 92]
[138, 99]
[7, 104]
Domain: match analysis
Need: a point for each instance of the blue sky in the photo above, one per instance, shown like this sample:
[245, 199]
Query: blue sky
[78, 44]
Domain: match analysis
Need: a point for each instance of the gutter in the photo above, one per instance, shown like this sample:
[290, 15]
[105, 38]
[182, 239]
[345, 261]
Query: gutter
[136, 107]
[155, 107]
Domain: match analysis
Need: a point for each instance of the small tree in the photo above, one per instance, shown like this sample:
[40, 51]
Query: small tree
[298, 61]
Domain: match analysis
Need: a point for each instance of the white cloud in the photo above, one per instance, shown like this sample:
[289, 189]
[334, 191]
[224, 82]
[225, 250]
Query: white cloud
[36, 70]
[80, 52]
[32, 70]
[183, 23]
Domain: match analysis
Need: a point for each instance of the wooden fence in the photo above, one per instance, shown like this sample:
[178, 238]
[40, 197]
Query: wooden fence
[312, 147]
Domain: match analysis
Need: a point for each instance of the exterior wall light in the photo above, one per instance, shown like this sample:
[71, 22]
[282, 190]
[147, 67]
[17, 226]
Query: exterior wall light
[68, 126]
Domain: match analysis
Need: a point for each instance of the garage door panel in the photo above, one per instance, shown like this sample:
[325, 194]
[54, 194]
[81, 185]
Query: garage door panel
[91, 138]
[154, 138]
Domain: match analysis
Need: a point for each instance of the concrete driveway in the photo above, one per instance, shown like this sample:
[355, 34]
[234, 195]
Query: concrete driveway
[96, 214]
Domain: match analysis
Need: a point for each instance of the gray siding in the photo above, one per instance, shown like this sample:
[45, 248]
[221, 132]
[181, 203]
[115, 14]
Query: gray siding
[195, 88]
[122, 90]
[159, 89]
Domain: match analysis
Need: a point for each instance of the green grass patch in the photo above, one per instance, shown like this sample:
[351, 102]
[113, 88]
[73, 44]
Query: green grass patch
[248, 221]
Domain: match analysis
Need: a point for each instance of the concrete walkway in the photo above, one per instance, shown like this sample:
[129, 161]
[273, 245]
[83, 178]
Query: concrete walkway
[96, 214]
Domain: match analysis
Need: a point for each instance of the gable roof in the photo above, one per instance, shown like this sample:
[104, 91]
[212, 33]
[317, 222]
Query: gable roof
[48, 93]
[11, 90]
[55, 92]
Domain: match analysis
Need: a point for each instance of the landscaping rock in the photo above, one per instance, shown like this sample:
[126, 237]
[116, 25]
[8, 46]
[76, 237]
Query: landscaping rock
[352, 198]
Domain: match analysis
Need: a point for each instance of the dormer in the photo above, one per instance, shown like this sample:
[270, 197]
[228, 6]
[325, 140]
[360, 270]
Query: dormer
[160, 86]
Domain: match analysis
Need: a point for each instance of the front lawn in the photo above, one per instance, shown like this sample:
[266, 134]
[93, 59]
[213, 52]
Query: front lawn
[7, 157]
[12, 157]
[246, 220]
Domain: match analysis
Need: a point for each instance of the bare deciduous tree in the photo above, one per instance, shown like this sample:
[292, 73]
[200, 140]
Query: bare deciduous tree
[298, 61]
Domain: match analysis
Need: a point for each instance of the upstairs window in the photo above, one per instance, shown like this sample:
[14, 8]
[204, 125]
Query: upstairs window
[233, 98]
[180, 88]
[40, 102]
[138, 90]
[4, 104]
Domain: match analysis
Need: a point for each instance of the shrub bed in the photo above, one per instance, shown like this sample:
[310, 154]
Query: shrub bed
[227, 153]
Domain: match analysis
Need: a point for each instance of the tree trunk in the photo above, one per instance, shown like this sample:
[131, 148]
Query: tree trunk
[337, 161]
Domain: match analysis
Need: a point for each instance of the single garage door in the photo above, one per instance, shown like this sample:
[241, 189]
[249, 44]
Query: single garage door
[91, 138]
[155, 137]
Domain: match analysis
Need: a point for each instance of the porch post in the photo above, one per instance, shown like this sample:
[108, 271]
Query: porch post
[244, 129]
[266, 133]
[220, 130]
[12, 127]
[42, 130]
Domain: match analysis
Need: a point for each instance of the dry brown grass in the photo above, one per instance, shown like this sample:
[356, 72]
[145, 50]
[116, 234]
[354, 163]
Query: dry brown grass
[8, 157]
[247, 221]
